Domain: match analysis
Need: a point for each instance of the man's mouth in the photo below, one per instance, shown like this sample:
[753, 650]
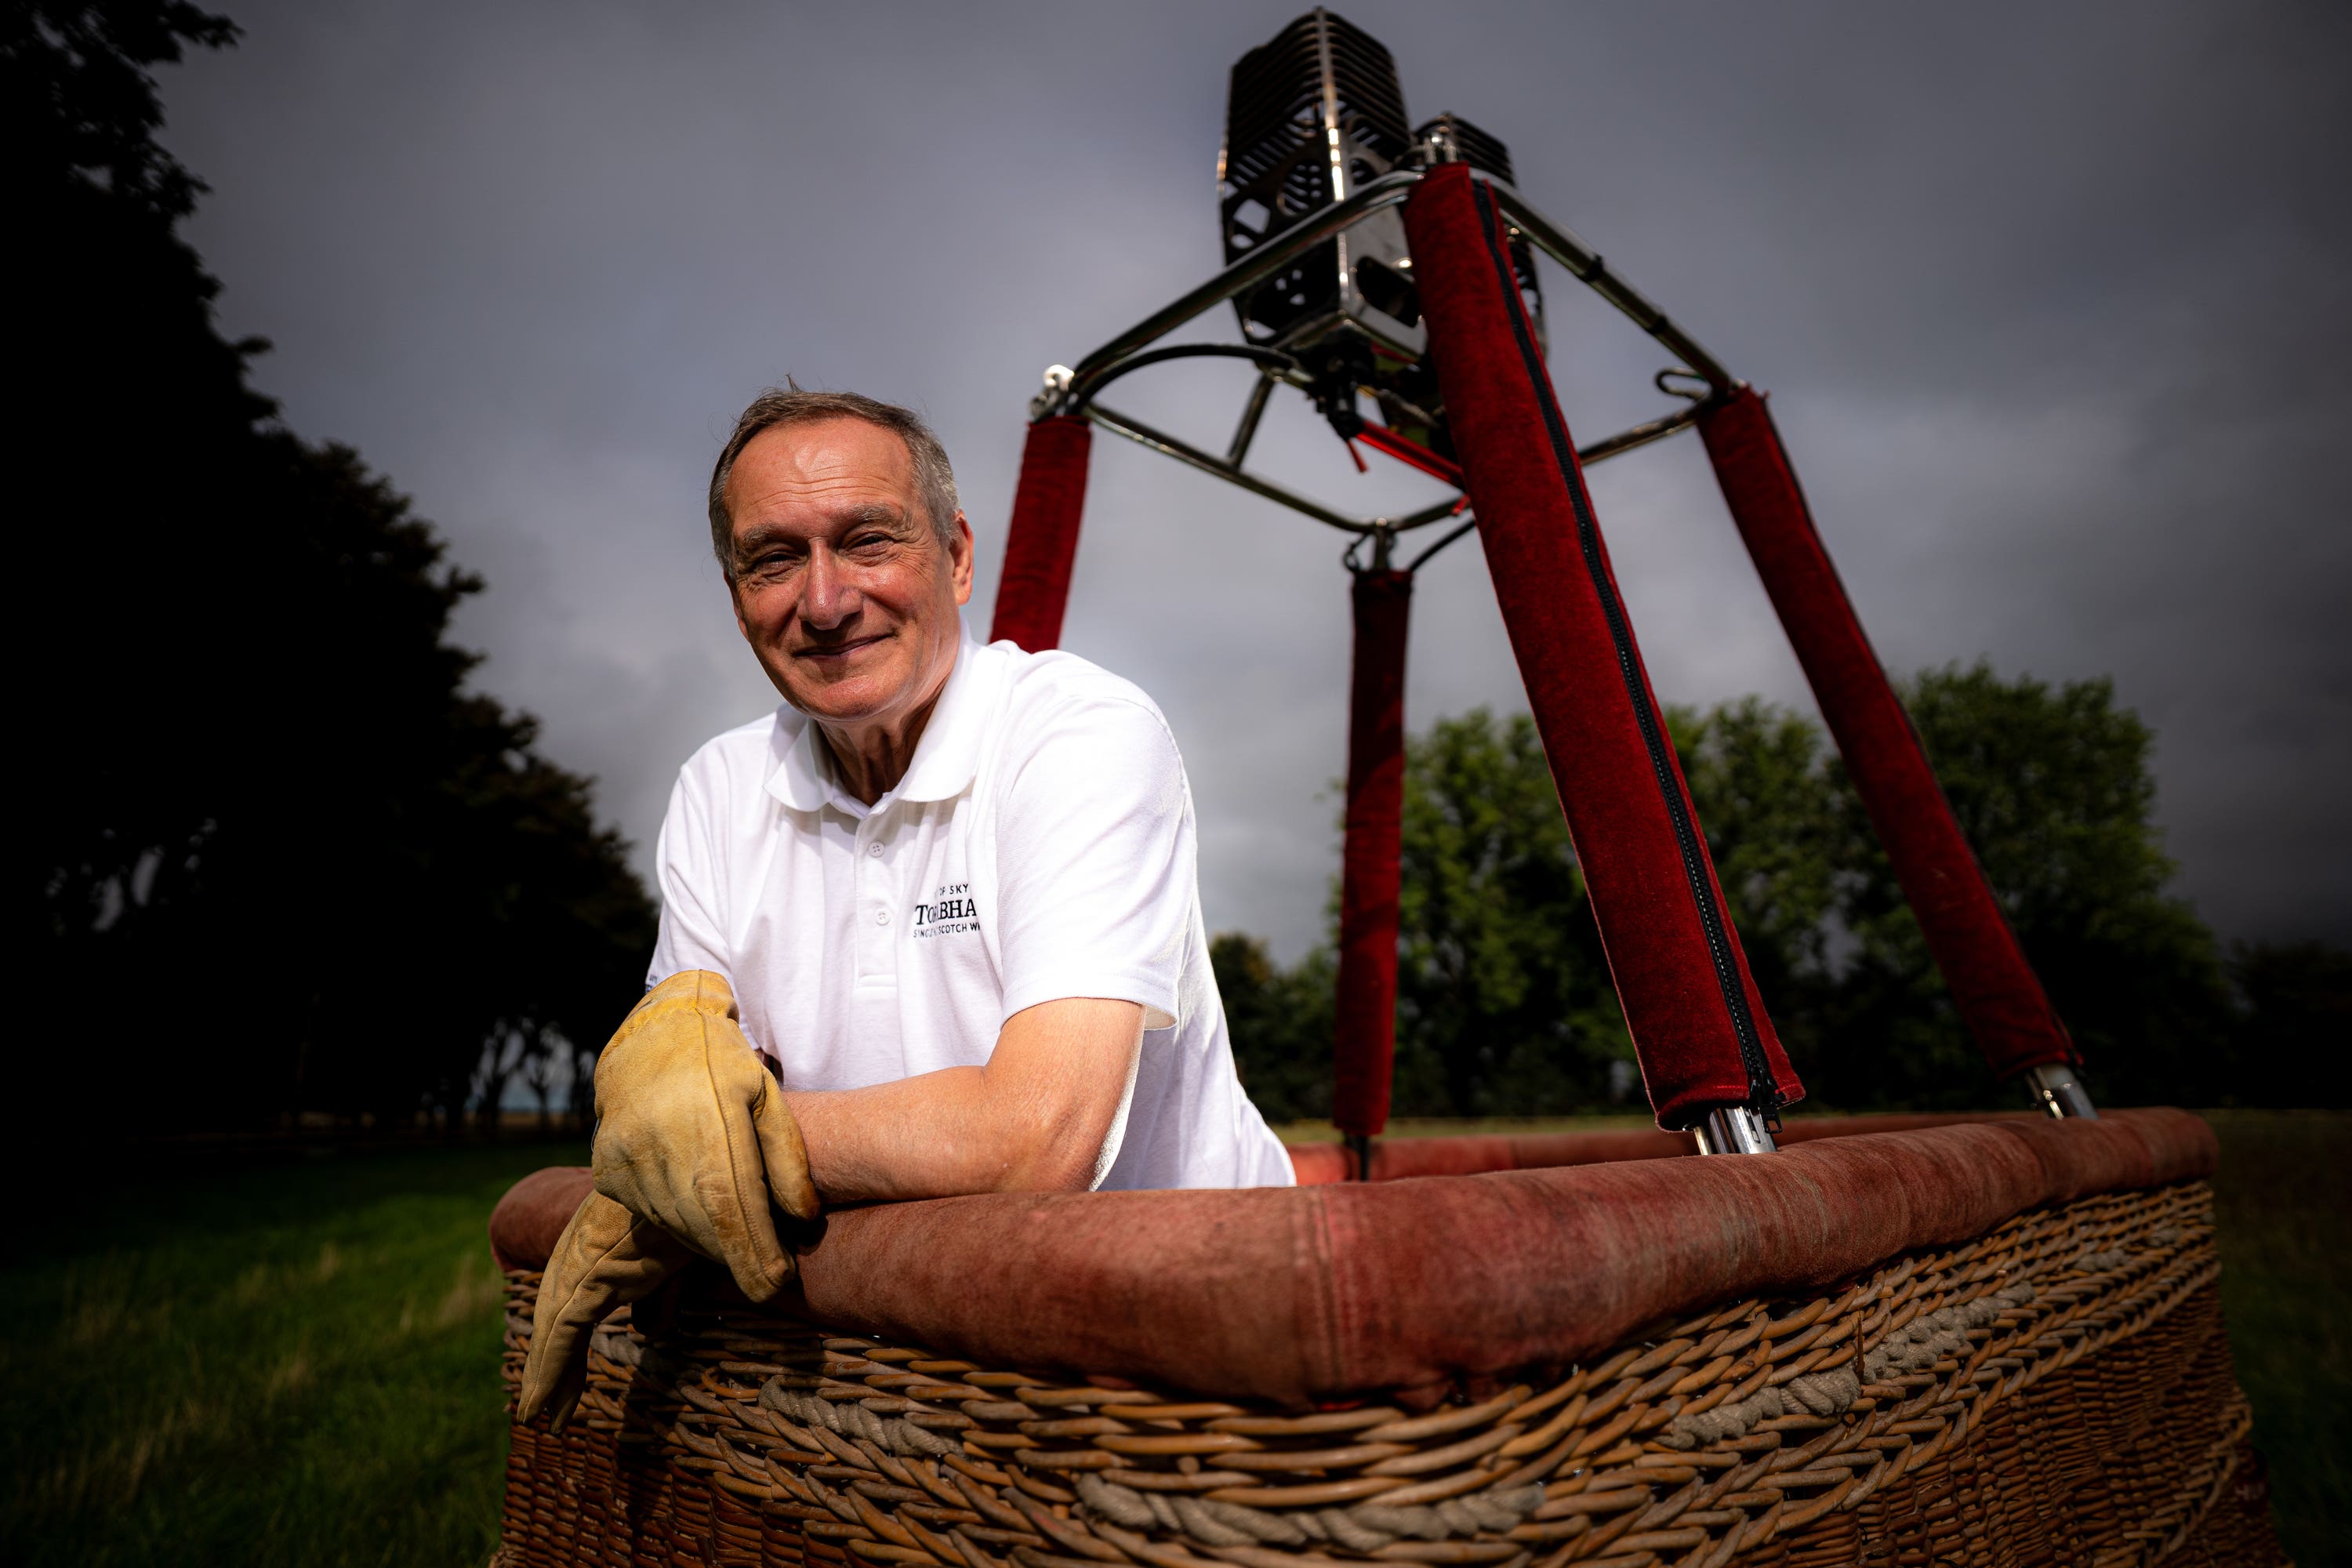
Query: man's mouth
[826, 652]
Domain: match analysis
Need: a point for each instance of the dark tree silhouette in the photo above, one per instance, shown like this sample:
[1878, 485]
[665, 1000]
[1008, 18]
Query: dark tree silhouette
[280, 858]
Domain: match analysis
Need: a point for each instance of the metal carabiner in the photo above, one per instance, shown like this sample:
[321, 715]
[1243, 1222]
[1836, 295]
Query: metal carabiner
[1383, 535]
[1676, 372]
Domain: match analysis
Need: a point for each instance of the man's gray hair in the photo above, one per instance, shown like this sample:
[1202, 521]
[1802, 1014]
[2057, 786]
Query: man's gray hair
[784, 405]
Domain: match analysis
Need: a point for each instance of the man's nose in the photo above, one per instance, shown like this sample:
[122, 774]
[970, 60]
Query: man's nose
[828, 596]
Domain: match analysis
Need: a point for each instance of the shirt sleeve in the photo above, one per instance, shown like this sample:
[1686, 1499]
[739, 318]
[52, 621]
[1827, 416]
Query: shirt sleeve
[688, 867]
[1097, 869]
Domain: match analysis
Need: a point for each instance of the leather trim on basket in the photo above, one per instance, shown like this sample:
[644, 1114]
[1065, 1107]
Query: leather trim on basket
[1471, 1154]
[1303, 1294]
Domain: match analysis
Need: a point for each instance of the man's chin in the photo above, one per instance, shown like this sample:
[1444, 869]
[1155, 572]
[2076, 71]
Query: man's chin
[853, 698]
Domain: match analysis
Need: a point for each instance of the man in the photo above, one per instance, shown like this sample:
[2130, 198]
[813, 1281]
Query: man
[932, 927]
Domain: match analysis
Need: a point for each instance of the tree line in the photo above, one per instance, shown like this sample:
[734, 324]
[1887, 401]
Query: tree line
[283, 857]
[1505, 1006]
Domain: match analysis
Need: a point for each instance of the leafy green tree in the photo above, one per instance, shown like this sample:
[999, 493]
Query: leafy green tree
[2051, 787]
[1280, 1022]
[1781, 841]
[279, 857]
[1503, 1004]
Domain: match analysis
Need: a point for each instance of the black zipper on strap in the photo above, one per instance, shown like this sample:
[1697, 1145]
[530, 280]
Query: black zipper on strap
[1763, 1092]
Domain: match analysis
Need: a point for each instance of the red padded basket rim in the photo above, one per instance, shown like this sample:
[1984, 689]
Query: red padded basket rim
[1312, 1294]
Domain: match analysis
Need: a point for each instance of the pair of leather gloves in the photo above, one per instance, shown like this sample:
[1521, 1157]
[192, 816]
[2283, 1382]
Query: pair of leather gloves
[693, 1143]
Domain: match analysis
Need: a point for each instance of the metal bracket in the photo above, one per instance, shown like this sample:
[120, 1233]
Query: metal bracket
[2054, 1088]
[1072, 391]
[1734, 1130]
[1229, 467]
[1183, 451]
[1382, 538]
[1673, 381]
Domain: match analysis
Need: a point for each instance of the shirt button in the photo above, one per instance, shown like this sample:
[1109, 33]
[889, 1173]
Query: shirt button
[881, 916]
[874, 850]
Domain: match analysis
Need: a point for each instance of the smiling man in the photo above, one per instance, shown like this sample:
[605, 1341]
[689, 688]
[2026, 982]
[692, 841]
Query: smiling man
[932, 927]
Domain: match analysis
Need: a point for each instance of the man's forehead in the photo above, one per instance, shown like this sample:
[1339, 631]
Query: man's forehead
[827, 463]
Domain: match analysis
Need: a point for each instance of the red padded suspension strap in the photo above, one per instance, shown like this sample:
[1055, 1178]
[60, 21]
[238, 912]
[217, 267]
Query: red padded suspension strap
[1994, 987]
[1366, 1045]
[1697, 1023]
[1041, 540]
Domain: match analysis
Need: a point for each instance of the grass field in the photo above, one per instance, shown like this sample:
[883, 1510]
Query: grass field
[293, 1363]
[296, 1361]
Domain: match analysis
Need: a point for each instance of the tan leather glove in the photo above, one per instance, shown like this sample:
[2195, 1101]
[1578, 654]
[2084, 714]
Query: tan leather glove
[693, 1134]
[607, 1258]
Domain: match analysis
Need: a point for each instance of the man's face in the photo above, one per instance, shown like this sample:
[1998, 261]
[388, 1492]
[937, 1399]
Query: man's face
[842, 585]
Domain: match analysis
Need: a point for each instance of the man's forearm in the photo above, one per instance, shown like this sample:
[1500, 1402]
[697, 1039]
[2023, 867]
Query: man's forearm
[923, 1137]
[1036, 1118]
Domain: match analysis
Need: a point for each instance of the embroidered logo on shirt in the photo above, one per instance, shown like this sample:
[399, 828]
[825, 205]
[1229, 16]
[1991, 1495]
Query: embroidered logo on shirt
[951, 911]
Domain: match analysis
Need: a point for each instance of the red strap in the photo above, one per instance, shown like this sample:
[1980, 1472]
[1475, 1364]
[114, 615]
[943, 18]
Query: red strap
[1380, 437]
[1993, 985]
[1697, 1023]
[1370, 878]
[1041, 543]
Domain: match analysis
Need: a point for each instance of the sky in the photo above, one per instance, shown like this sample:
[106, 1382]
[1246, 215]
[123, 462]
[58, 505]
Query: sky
[2052, 303]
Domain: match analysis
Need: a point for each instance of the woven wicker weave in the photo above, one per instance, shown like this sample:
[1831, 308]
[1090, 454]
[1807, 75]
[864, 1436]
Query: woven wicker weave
[2057, 1391]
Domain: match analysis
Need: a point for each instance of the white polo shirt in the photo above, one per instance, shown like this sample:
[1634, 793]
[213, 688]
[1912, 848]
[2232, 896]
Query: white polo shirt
[1041, 846]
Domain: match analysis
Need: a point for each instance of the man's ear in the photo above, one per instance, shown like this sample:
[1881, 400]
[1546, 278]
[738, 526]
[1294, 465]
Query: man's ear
[960, 554]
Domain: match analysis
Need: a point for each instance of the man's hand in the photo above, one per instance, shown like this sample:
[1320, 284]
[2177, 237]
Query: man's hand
[694, 1135]
[1045, 1115]
[607, 1258]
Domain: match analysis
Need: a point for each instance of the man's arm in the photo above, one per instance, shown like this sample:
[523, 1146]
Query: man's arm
[1037, 1118]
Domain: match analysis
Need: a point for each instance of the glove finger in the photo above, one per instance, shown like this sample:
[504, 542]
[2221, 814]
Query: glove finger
[736, 1200]
[568, 1307]
[785, 1156]
[562, 1382]
[654, 1085]
[607, 1258]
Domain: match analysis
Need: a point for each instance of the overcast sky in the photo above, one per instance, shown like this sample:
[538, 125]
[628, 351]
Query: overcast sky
[2053, 303]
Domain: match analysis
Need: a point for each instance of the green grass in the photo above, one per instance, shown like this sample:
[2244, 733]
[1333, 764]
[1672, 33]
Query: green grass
[2282, 1197]
[292, 1363]
[296, 1362]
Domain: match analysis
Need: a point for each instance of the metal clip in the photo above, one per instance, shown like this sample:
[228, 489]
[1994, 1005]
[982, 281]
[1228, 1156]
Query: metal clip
[1383, 535]
[1664, 379]
[2054, 1088]
[1057, 383]
[1734, 1130]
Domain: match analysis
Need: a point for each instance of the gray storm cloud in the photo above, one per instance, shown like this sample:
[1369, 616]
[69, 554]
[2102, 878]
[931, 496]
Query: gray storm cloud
[2053, 302]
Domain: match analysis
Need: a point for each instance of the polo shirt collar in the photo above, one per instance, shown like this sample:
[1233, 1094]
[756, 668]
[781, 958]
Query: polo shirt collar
[803, 780]
[946, 760]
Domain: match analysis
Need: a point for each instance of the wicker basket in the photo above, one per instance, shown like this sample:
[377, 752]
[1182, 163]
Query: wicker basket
[2053, 1388]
